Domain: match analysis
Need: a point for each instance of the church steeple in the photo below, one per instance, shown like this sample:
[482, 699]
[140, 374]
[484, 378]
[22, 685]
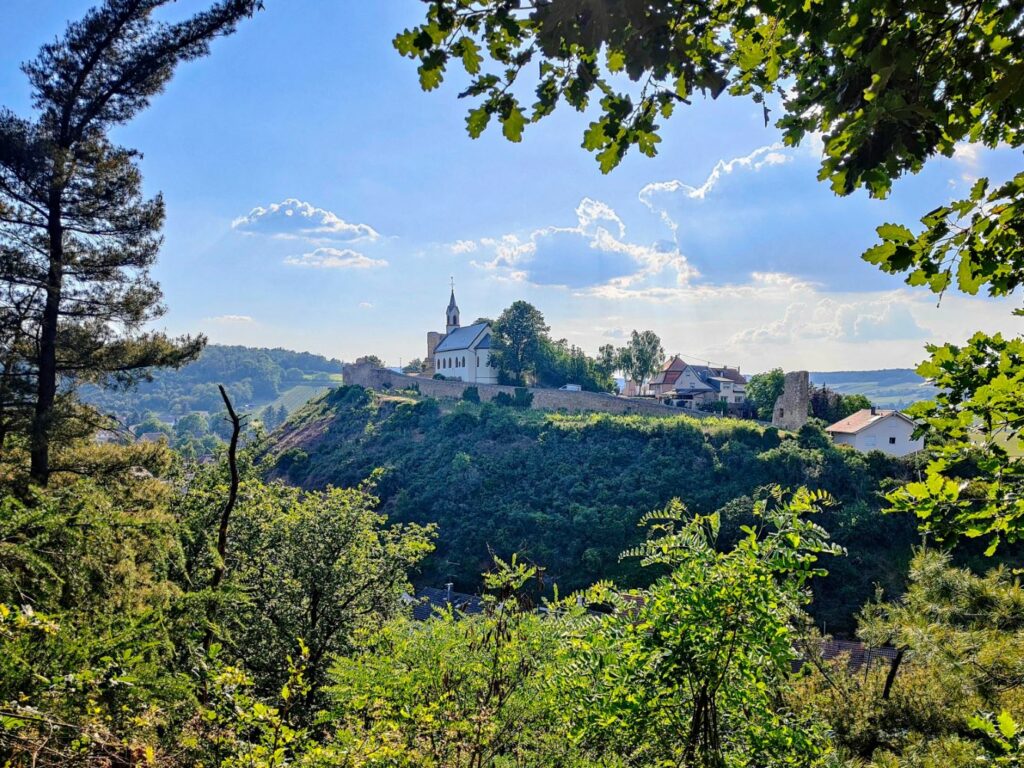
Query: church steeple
[452, 315]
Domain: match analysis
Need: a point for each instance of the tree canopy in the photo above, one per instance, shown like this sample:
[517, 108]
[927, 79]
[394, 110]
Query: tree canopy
[76, 234]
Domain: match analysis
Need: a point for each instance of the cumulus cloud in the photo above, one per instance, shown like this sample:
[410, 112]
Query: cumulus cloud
[772, 154]
[334, 258]
[864, 321]
[295, 219]
[588, 256]
[463, 246]
[231, 319]
[365, 305]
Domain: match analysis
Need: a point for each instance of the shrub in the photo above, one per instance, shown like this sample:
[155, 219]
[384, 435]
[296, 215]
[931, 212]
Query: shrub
[471, 395]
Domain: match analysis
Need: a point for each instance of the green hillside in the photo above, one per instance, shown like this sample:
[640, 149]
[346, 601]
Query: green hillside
[567, 490]
[890, 388]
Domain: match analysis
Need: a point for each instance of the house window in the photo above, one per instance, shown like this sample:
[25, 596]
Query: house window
[892, 441]
[782, 412]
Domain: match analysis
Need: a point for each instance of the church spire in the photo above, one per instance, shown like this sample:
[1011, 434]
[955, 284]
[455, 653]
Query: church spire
[452, 315]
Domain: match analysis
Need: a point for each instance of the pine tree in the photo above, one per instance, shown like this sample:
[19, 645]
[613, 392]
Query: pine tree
[77, 237]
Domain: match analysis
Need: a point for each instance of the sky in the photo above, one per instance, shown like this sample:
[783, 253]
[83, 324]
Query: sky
[318, 200]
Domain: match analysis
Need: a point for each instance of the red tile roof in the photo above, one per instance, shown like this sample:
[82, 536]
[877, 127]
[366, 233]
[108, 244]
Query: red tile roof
[863, 418]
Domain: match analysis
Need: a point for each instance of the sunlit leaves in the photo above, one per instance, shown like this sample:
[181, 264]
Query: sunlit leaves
[974, 483]
[972, 243]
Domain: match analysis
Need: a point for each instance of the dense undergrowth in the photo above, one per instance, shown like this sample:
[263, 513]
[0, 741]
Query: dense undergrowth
[567, 490]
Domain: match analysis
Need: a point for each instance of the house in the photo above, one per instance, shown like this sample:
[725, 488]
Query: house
[874, 429]
[460, 353]
[693, 386]
[431, 599]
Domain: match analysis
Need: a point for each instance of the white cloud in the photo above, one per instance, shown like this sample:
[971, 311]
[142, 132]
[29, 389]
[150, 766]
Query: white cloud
[587, 256]
[295, 219]
[869, 320]
[333, 258]
[463, 246]
[772, 154]
[231, 319]
[589, 212]
[365, 305]
[968, 155]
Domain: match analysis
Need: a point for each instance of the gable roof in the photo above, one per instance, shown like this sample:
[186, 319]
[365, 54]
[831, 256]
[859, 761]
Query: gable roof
[863, 419]
[666, 376]
[461, 338]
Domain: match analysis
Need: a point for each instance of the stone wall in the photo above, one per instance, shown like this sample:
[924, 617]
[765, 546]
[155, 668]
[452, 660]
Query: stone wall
[791, 408]
[545, 399]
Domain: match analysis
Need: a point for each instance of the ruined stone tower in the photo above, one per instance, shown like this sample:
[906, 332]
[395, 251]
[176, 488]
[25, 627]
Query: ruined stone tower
[793, 404]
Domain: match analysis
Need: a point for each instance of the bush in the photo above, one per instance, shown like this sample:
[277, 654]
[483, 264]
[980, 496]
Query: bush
[471, 395]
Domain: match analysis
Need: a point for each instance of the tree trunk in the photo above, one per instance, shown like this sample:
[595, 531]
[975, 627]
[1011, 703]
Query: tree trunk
[46, 385]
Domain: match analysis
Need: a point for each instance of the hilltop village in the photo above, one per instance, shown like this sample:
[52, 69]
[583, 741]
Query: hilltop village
[513, 358]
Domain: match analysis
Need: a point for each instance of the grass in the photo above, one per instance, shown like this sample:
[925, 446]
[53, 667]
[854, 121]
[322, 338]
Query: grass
[296, 397]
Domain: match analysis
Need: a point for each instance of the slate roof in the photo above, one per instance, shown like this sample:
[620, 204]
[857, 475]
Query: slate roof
[461, 338]
[864, 418]
[429, 598]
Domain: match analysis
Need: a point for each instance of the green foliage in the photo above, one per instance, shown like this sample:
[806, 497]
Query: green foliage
[830, 406]
[972, 485]
[690, 670]
[455, 691]
[521, 398]
[566, 490]
[954, 695]
[966, 244]
[516, 342]
[319, 566]
[253, 377]
[642, 357]
[471, 395]
[104, 604]
[763, 389]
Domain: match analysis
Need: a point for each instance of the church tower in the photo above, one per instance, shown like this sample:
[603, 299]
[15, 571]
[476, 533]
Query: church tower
[452, 321]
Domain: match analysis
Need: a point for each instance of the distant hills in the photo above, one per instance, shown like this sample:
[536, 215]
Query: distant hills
[891, 387]
[254, 377]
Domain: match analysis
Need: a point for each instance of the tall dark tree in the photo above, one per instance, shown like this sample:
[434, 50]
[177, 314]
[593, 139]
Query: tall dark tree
[519, 334]
[76, 234]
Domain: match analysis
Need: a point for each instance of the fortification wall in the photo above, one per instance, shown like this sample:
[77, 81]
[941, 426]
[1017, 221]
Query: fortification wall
[544, 399]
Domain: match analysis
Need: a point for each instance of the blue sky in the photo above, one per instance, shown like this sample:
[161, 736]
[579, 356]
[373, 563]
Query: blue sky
[318, 200]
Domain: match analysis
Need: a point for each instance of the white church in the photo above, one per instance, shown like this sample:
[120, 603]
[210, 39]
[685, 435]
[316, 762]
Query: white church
[461, 353]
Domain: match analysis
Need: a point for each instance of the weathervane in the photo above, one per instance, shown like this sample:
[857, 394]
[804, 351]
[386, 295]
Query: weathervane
[452, 280]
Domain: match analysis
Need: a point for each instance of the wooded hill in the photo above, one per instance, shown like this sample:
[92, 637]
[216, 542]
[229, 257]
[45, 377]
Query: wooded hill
[253, 376]
[567, 490]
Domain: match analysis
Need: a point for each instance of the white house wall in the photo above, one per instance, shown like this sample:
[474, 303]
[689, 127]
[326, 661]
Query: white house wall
[876, 437]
